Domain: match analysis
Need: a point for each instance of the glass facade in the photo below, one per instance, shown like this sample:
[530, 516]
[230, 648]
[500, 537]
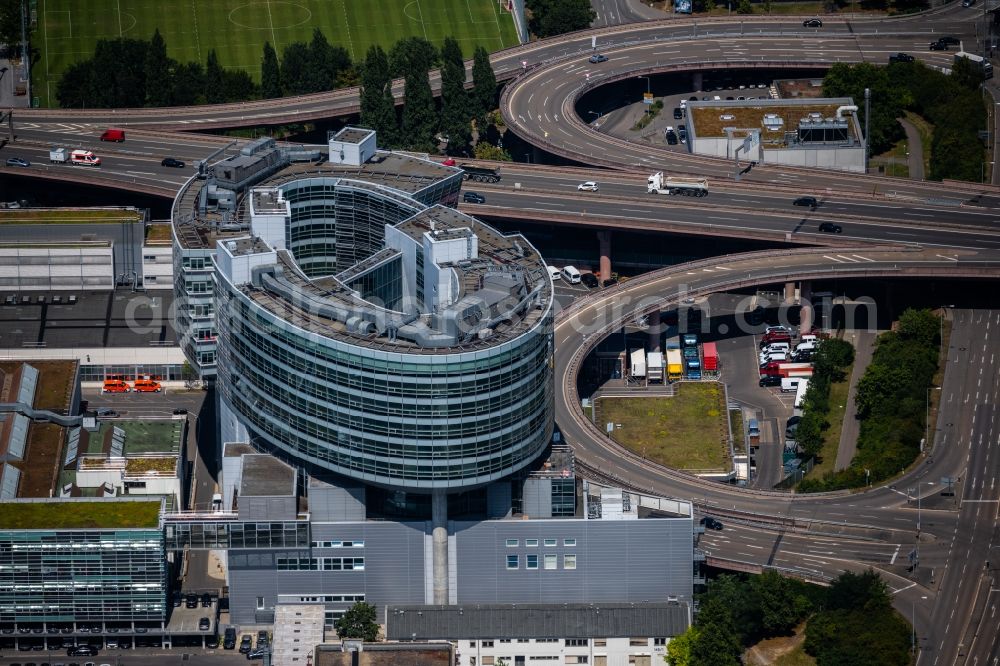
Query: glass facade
[215, 534]
[415, 421]
[82, 575]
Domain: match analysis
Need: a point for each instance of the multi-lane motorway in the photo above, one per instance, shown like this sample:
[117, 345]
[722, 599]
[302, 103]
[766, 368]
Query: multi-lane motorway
[951, 592]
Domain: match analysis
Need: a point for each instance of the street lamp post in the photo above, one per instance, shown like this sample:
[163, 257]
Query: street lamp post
[982, 172]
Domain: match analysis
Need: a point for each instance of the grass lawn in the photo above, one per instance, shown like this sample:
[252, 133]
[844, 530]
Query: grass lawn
[736, 425]
[237, 29]
[827, 457]
[70, 515]
[687, 431]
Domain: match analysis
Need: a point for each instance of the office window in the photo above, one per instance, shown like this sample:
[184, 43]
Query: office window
[531, 562]
[550, 543]
[659, 641]
[576, 642]
[512, 561]
[512, 543]
[569, 542]
[569, 561]
[550, 560]
[531, 543]
[487, 644]
[260, 602]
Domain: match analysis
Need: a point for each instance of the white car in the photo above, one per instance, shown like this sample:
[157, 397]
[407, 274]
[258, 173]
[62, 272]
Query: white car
[554, 273]
[589, 186]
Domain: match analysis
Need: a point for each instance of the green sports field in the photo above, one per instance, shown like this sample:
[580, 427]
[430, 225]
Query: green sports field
[237, 29]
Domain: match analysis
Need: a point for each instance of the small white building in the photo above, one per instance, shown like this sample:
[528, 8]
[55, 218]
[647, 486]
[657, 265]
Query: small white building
[33, 266]
[822, 133]
[606, 634]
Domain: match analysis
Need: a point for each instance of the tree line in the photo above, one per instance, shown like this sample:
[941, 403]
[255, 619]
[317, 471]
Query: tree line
[951, 102]
[129, 73]
[850, 622]
[891, 402]
[832, 358]
[828, 6]
[421, 122]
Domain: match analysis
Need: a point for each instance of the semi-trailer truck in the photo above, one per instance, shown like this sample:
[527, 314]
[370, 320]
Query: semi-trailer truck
[692, 187]
[480, 174]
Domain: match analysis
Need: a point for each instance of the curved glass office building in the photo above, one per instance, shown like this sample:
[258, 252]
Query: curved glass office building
[365, 332]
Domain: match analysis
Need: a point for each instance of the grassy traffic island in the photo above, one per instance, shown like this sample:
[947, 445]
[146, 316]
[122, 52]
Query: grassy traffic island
[686, 431]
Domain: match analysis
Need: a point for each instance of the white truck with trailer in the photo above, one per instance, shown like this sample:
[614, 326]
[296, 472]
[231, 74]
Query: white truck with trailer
[688, 186]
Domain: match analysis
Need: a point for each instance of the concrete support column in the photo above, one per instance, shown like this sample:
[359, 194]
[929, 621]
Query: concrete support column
[439, 539]
[789, 293]
[654, 331]
[604, 237]
[696, 81]
[806, 311]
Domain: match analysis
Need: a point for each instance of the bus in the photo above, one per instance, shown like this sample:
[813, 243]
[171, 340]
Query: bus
[985, 65]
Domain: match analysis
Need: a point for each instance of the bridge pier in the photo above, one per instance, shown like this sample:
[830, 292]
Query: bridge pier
[655, 329]
[805, 307]
[604, 238]
[696, 81]
[789, 293]
[439, 544]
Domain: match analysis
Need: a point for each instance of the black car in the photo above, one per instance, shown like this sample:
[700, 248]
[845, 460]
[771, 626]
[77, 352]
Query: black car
[812, 23]
[206, 600]
[809, 202]
[682, 133]
[610, 282]
[125, 644]
[589, 280]
[177, 599]
[172, 162]
[949, 40]
[180, 410]
[671, 137]
[597, 57]
[473, 197]
[769, 380]
[191, 601]
[900, 57]
[82, 651]
[791, 426]
[939, 46]
[262, 638]
[203, 624]
[257, 654]
[830, 228]
[711, 523]
[678, 113]
[229, 639]
[246, 644]
[18, 162]
[212, 643]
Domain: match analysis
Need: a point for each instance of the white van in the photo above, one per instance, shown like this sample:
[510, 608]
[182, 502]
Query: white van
[805, 346]
[790, 384]
[782, 347]
[808, 338]
[571, 275]
[773, 357]
[554, 273]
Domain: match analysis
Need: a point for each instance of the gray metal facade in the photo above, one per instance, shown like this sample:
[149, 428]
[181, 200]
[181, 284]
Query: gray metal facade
[647, 560]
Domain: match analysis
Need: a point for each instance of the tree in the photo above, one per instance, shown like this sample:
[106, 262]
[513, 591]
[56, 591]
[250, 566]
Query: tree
[158, 78]
[744, 7]
[554, 17]
[413, 58]
[920, 325]
[717, 643]
[75, 89]
[10, 24]
[484, 83]
[296, 70]
[358, 622]
[188, 84]
[487, 151]
[851, 591]
[119, 73]
[780, 606]
[378, 108]
[270, 75]
[455, 105]
[215, 92]
[887, 99]
[679, 648]
[239, 85]
[327, 64]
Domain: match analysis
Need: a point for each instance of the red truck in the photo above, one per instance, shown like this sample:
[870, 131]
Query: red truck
[710, 356]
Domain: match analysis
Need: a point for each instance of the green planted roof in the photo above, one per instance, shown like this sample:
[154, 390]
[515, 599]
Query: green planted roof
[79, 515]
